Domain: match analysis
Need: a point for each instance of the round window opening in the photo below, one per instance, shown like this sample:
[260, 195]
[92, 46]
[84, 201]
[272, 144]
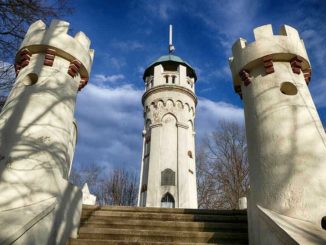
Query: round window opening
[323, 223]
[30, 79]
[288, 88]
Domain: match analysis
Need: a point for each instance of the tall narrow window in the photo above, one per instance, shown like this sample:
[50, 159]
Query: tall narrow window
[166, 79]
[173, 79]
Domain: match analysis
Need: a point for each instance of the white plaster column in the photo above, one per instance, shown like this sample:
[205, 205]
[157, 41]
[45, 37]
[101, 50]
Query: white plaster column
[183, 167]
[153, 187]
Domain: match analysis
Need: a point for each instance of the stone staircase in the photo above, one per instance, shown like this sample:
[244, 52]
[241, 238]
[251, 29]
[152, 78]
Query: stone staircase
[133, 225]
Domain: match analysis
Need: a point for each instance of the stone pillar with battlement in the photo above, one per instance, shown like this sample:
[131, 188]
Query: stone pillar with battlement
[38, 134]
[286, 139]
[168, 172]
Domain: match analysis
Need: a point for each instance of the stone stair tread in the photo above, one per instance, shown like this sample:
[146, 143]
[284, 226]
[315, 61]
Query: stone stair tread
[163, 235]
[167, 225]
[165, 216]
[163, 210]
[135, 225]
[126, 242]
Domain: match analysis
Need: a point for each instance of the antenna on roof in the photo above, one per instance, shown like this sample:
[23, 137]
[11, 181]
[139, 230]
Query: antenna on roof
[171, 47]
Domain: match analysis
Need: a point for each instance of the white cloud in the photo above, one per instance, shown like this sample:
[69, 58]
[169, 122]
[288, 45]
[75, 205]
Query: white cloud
[113, 62]
[209, 113]
[161, 9]
[107, 78]
[127, 45]
[110, 122]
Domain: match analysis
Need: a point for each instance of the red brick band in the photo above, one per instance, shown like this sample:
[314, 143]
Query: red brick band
[74, 68]
[83, 82]
[49, 57]
[245, 77]
[268, 64]
[25, 57]
[296, 64]
[307, 75]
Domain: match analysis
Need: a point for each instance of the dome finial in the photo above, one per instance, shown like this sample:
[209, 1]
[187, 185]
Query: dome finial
[171, 47]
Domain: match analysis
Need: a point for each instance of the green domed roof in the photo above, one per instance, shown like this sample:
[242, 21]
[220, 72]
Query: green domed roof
[170, 58]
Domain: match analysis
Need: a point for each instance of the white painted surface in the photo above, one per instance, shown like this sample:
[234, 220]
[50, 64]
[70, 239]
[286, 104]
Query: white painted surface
[286, 140]
[37, 134]
[170, 109]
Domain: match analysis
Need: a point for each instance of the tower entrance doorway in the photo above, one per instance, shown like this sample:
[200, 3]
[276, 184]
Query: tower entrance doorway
[167, 201]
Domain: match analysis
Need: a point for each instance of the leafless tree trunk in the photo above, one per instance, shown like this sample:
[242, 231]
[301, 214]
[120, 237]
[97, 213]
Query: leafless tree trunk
[222, 167]
[15, 17]
[121, 188]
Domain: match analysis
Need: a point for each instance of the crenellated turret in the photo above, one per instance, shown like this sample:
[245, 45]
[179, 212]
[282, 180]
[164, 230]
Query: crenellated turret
[38, 135]
[286, 139]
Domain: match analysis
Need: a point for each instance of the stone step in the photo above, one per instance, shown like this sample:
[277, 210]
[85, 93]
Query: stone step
[99, 214]
[124, 242]
[161, 236]
[164, 225]
[88, 208]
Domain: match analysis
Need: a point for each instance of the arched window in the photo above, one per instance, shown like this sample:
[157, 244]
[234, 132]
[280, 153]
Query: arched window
[167, 201]
[168, 177]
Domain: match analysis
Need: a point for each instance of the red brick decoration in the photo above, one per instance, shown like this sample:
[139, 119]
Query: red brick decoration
[83, 82]
[74, 68]
[268, 64]
[244, 75]
[25, 57]
[49, 57]
[307, 75]
[296, 64]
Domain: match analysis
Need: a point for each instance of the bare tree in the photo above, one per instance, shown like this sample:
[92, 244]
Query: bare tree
[222, 167]
[120, 189]
[15, 17]
[89, 174]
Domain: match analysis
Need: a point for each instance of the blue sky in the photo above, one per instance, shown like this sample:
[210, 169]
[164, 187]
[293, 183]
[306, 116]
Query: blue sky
[128, 35]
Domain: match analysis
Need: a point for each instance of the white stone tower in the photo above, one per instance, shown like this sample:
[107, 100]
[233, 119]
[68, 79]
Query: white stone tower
[38, 134]
[286, 140]
[168, 171]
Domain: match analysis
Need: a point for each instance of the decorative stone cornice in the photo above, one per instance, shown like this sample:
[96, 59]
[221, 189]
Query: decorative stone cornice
[182, 125]
[164, 87]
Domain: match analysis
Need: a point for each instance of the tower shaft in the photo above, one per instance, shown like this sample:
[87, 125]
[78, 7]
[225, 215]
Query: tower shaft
[168, 176]
[38, 133]
[286, 140]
